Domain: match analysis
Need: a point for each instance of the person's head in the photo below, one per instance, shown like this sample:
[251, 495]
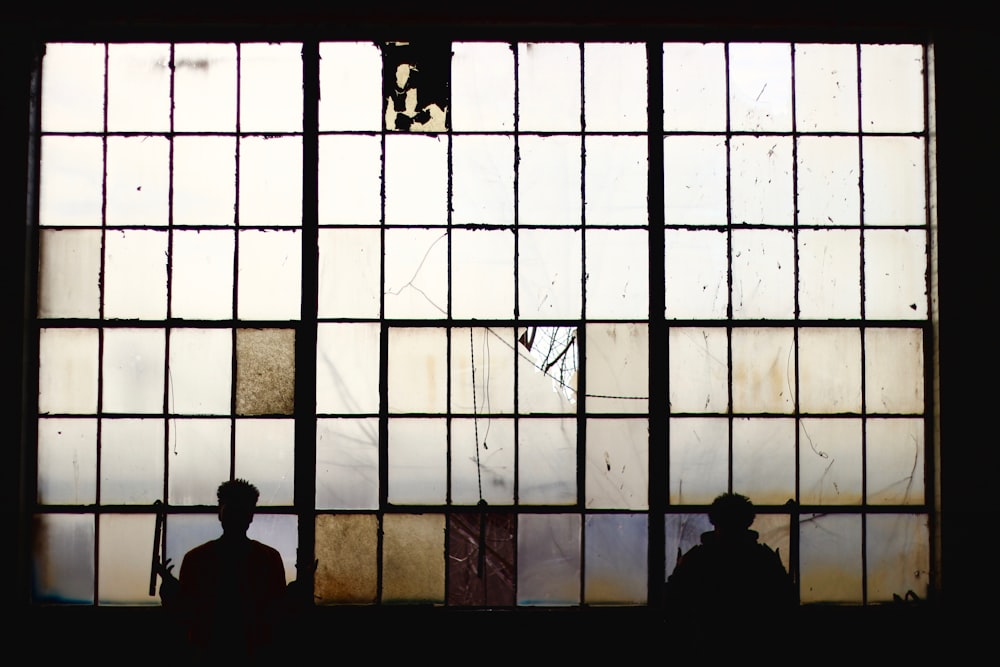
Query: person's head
[731, 512]
[237, 501]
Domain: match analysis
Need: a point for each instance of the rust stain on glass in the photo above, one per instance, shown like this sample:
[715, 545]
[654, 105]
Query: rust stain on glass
[265, 371]
[416, 86]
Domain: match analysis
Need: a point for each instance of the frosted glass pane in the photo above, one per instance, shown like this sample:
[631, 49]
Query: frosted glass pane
[418, 460]
[350, 180]
[682, 531]
[896, 274]
[617, 273]
[549, 265]
[204, 87]
[418, 371]
[548, 559]
[694, 87]
[895, 452]
[828, 180]
[63, 558]
[894, 370]
[830, 558]
[826, 85]
[413, 558]
[482, 461]
[547, 461]
[67, 461]
[73, 88]
[698, 373]
[695, 180]
[201, 272]
[482, 273]
[761, 177]
[350, 262]
[131, 461]
[482, 370]
[617, 566]
[69, 273]
[829, 370]
[547, 369]
[482, 180]
[133, 370]
[763, 370]
[347, 456]
[617, 171]
[281, 532]
[898, 550]
[830, 461]
[618, 367]
[270, 275]
[270, 187]
[137, 181]
[347, 368]
[549, 171]
[614, 85]
[123, 559]
[204, 185]
[135, 274]
[617, 464]
[699, 460]
[548, 87]
[201, 376]
[347, 551]
[416, 273]
[416, 180]
[482, 86]
[71, 181]
[139, 87]
[764, 460]
[67, 371]
[696, 274]
[350, 86]
[265, 371]
[892, 87]
[760, 87]
[197, 461]
[894, 182]
[763, 274]
[829, 273]
[265, 453]
[270, 87]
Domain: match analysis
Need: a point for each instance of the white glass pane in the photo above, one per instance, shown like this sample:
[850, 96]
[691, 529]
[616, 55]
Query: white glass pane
[617, 273]
[614, 87]
[618, 367]
[204, 181]
[71, 181]
[347, 368]
[896, 274]
[696, 273]
[67, 461]
[418, 457]
[617, 566]
[131, 461]
[829, 370]
[418, 372]
[699, 460]
[270, 181]
[764, 460]
[197, 461]
[350, 86]
[350, 263]
[829, 274]
[616, 177]
[898, 549]
[123, 559]
[760, 87]
[482, 86]
[350, 180]
[413, 558]
[416, 180]
[63, 559]
[763, 370]
[138, 191]
[830, 558]
[547, 461]
[827, 180]
[270, 87]
[201, 377]
[416, 273]
[548, 559]
[761, 176]
[201, 284]
[694, 180]
[895, 453]
[73, 88]
[347, 457]
[763, 266]
[135, 274]
[548, 87]
[894, 181]
[549, 180]
[133, 370]
[830, 461]
[482, 180]
[826, 87]
[617, 464]
[67, 371]
[549, 266]
[547, 373]
[694, 87]
[69, 273]
[482, 370]
[894, 370]
[265, 453]
[139, 87]
[482, 461]
[698, 375]
[892, 87]
[482, 273]
[270, 275]
[204, 87]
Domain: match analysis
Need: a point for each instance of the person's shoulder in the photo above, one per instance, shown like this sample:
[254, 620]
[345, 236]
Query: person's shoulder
[203, 550]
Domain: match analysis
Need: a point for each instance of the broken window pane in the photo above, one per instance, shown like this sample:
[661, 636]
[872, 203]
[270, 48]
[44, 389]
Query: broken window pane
[481, 561]
[416, 273]
[416, 86]
[547, 373]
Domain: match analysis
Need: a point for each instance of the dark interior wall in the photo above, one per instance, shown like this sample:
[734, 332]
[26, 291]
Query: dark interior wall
[964, 72]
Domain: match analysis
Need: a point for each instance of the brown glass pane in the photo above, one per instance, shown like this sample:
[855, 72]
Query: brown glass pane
[481, 559]
[265, 371]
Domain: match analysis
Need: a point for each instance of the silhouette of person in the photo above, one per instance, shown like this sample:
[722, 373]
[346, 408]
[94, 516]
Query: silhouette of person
[730, 576]
[231, 596]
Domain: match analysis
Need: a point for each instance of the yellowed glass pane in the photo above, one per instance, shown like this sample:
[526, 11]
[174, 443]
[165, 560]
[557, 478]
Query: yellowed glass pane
[413, 558]
[265, 371]
[346, 551]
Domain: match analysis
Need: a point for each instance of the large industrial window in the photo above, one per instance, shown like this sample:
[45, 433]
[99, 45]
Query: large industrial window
[489, 324]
